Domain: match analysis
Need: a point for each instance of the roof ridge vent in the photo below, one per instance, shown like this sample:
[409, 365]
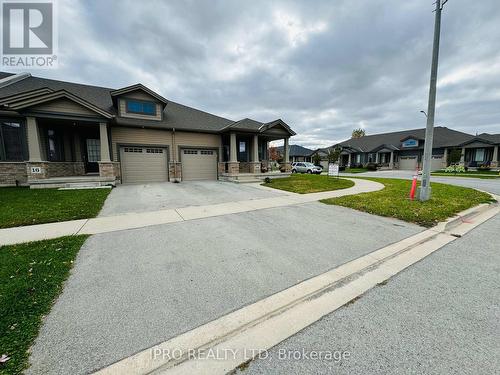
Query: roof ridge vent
[13, 79]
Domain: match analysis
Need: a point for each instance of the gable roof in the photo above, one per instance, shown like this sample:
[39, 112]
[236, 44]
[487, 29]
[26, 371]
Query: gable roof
[443, 137]
[296, 150]
[43, 97]
[140, 87]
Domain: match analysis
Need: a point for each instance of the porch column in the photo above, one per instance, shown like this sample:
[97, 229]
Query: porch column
[255, 166]
[494, 159]
[391, 160]
[255, 149]
[349, 160]
[103, 133]
[35, 154]
[233, 156]
[445, 158]
[462, 157]
[377, 157]
[233, 166]
[286, 155]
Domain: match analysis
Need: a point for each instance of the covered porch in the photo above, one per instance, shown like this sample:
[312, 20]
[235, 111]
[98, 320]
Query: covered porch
[245, 150]
[480, 153]
[64, 152]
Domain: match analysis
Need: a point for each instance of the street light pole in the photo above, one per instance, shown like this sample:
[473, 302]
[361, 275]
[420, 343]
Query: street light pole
[425, 188]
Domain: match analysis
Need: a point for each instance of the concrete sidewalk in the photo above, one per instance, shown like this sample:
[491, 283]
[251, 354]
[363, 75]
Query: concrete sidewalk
[106, 224]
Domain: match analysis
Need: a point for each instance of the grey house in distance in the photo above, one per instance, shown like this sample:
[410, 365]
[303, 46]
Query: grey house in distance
[404, 149]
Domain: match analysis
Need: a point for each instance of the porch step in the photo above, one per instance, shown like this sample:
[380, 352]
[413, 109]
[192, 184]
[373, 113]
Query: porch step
[72, 182]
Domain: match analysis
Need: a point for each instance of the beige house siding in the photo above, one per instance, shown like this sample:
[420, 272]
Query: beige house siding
[123, 135]
[64, 106]
[139, 95]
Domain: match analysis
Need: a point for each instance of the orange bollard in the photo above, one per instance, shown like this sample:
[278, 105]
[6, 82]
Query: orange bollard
[413, 187]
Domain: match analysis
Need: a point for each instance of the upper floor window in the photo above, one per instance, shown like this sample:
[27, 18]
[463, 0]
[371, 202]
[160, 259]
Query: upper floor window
[12, 141]
[141, 107]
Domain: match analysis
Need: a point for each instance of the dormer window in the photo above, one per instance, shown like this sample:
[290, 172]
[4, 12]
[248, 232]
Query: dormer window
[141, 107]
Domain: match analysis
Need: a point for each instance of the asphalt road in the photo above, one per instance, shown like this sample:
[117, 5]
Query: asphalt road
[490, 185]
[132, 289]
[440, 316]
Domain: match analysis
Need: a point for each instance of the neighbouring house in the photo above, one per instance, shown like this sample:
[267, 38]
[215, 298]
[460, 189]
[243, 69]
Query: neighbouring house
[404, 149]
[323, 155]
[53, 133]
[296, 153]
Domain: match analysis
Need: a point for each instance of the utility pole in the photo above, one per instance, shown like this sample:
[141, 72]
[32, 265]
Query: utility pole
[425, 188]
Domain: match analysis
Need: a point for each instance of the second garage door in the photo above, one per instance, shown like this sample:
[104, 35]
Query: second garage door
[408, 163]
[199, 164]
[143, 164]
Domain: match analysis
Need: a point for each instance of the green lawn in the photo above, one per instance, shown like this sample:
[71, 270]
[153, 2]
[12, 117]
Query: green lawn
[31, 277]
[355, 170]
[393, 201]
[24, 206]
[309, 183]
[466, 175]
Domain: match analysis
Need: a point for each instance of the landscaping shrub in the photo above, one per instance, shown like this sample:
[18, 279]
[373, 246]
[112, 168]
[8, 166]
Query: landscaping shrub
[483, 167]
[371, 166]
[267, 180]
[456, 168]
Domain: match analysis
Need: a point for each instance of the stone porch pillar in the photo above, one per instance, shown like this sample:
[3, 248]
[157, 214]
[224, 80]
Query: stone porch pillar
[377, 157]
[233, 166]
[34, 149]
[494, 159]
[462, 157]
[107, 168]
[286, 155]
[445, 158]
[391, 160]
[103, 134]
[35, 168]
[255, 165]
[349, 160]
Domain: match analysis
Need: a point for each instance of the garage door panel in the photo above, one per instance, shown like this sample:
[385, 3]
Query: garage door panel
[143, 164]
[199, 164]
[408, 163]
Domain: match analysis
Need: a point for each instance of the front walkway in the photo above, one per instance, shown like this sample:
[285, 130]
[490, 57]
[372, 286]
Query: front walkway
[106, 224]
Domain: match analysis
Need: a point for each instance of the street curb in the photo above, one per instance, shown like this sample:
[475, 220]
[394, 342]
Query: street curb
[465, 215]
[337, 286]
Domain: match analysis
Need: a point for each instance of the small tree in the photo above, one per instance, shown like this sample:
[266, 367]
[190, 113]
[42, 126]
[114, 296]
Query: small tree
[454, 156]
[333, 155]
[274, 155]
[316, 159]
[358, 133]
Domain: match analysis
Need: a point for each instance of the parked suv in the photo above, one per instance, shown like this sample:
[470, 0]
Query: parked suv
[306, 168]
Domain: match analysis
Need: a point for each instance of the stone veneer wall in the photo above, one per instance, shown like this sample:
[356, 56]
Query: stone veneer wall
[10, 172]
[174, 171]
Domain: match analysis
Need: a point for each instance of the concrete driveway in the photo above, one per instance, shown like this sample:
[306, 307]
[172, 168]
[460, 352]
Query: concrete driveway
[132, 289]
[490, 185]
[167, 195]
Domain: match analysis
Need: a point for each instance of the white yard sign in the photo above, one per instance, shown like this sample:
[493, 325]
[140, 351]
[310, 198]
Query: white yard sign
[333, 169]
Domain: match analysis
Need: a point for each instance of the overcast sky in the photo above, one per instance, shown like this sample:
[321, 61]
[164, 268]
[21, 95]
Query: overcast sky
[324, 67]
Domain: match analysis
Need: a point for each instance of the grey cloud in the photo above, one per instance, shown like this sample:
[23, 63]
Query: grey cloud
[324, 67]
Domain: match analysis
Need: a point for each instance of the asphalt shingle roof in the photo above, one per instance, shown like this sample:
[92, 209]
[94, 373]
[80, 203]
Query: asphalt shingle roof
[443, 137]
[296, 150]
[175, 115]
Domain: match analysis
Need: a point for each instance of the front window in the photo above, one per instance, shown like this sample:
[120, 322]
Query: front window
[140, 107]
[479, 154]
[12, 145]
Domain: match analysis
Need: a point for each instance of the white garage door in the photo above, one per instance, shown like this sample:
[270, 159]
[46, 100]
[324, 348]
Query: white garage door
[199, 164]
[408, 163]
[437, 162]
[143, 164]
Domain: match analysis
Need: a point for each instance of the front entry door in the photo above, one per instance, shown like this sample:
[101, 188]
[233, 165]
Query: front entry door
[92, 155]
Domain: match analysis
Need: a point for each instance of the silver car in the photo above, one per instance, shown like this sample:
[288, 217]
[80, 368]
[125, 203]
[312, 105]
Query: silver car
[306, 167]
